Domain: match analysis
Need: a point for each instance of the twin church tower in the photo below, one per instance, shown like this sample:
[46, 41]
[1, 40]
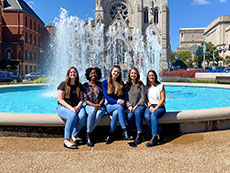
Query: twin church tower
[138, 14]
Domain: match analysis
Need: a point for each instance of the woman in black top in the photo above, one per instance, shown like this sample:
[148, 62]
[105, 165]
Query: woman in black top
[70, 109]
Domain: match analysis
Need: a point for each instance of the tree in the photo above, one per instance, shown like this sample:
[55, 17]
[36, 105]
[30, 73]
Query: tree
[210, 48]
[186, 57]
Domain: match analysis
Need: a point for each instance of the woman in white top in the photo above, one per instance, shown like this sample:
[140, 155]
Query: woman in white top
[155, 101]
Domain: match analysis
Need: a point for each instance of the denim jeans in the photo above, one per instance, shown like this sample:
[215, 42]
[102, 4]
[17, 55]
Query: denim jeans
[118, 113]
[152, 118]
[94, 116]
[74, 121]
[138, 114]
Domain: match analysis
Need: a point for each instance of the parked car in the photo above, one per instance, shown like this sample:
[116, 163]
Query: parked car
[6, 76]
[32, 76]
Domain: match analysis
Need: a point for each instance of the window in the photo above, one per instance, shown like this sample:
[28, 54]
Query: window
[31, 68]
[26, 55]
[30, 23]
[8, 54]
[120, 8]
[35, 26]
[156, 16]
[26, 69]
[35, 41]
[31, 56]
[39, 42]
[26, 38]
[30, 39]
[19, 54]
[35, 56]
[39, 29]
[35, 69]
[26, 21]
[146, 16]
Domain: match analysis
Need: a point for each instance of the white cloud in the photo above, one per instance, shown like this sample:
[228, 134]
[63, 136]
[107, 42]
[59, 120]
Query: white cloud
[223, 1]
[201, 2]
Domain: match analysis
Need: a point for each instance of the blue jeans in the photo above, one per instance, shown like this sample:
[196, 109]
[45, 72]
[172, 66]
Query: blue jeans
[74, 121]
[138, 113]
[94, 116]
[152, 118]
[118, 113]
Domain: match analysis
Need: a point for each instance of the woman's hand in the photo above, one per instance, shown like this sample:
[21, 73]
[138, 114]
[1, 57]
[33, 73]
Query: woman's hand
[76, 109]
[152, 109]
[130, 109]
[96, 106]
[121, 102]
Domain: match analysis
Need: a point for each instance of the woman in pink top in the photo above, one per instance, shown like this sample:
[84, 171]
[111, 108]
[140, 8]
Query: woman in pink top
[155, 101]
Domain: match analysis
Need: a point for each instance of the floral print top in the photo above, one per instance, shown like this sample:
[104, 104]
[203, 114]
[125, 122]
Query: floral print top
[94, 96]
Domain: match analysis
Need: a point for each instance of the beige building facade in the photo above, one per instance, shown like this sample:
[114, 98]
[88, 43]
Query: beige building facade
[138, 14]
[190, 37]
[217, 32]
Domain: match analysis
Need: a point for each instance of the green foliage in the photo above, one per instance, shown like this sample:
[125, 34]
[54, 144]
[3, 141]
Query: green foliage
[210, 48]
[180, 63]
[41, 80]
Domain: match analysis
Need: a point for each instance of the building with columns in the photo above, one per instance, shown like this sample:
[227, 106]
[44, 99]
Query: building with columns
[217, 32]
[21, 32]
[140, 15]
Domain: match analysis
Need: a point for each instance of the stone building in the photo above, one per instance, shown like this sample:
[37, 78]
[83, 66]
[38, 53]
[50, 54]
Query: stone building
[190, 37]
[22, 32]
[217, 32]
[140, 15]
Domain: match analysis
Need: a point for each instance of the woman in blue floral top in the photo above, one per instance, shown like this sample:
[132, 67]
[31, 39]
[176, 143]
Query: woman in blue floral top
[94, 99]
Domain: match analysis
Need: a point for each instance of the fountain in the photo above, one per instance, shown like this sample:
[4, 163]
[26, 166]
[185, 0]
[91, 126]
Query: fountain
[79, 43]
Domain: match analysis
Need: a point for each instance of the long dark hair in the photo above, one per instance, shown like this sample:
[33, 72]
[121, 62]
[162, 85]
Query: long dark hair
[67, 83]
[117, 89]
[148, 83]
[138, 81]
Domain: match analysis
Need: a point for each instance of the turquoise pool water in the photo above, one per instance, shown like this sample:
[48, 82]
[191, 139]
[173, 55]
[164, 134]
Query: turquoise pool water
[43, 99]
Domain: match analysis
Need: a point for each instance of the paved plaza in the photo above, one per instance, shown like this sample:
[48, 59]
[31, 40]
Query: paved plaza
[200, 152]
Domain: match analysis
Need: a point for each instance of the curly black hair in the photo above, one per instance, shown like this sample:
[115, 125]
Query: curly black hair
[88, 71]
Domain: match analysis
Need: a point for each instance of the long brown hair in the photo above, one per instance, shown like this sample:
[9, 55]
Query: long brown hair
[148, 83]
[117, 89]
[67, 83]
[138, 81]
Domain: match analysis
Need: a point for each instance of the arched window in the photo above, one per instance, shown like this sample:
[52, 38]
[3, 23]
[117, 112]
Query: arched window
[156, 16]
[8, 54]
[146, 16]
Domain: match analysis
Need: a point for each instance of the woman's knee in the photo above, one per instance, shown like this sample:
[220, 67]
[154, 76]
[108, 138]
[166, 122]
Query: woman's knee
[120, 108]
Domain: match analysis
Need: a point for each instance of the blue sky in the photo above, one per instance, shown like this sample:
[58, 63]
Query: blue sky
[183, 13]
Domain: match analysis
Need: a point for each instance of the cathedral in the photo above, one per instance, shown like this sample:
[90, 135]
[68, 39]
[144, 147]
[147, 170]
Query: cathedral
[137, 14]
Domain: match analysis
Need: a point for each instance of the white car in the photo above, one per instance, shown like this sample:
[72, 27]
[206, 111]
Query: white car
[32, 76]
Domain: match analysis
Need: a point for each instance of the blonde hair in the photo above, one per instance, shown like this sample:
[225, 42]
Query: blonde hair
[118, 88]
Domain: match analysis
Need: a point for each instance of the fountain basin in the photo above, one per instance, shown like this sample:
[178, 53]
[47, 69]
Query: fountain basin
[189, 120]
